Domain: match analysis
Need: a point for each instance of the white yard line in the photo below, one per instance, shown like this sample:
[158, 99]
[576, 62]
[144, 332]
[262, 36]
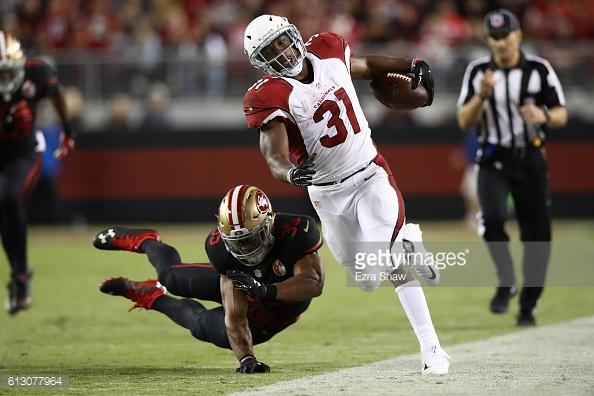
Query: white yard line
[555, 359]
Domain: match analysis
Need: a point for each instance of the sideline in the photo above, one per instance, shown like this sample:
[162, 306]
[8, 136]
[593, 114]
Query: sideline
[554, 359]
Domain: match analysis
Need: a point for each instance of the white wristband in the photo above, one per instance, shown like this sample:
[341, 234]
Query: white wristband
[246, 357]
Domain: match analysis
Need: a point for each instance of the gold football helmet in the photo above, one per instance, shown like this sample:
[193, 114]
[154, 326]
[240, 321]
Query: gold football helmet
[245, 223]
[12, 64]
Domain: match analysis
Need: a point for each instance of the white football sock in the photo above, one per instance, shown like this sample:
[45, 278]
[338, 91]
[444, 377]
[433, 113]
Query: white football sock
[415, 306]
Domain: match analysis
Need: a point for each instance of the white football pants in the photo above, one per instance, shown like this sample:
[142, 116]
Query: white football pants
[365, 208]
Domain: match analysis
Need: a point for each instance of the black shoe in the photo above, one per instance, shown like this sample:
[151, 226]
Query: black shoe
[526, 318]
[19, 295]
[500, 302]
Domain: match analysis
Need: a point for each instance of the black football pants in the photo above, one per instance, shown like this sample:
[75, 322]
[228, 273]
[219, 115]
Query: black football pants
[525, 176]
[199, 281]
[17, 177]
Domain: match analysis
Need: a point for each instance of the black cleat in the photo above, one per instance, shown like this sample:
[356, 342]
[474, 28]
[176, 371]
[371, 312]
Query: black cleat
[120, 238]
[500, 302]
[19, 294]
[526, 318]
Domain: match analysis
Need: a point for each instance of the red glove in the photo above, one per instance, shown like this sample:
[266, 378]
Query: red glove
[66, 146]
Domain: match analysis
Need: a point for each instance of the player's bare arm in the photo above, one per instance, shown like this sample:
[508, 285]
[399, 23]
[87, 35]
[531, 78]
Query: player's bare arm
[59, 102]
[236, 322]
[370, 66]
[307, 281]
[274, 145]
[67, 138]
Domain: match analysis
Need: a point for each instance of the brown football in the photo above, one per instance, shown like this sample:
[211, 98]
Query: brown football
[395, 91]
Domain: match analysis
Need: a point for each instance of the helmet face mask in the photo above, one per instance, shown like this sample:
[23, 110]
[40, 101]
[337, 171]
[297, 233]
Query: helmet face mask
[12, 64]
[250, 247]
[245, 222]
[264, 35]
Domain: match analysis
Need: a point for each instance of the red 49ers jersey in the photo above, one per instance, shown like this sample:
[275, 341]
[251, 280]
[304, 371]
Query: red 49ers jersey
[322, 117]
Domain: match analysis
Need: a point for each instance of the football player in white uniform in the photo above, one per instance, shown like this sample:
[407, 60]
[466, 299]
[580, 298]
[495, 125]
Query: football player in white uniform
[313, 133]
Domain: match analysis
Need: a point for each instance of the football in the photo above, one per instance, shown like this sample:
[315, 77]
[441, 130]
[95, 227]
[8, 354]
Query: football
[395, 91]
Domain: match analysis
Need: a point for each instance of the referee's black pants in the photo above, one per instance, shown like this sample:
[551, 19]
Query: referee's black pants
[524, 174]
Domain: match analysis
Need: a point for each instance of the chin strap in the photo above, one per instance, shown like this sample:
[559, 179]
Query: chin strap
[295, 70]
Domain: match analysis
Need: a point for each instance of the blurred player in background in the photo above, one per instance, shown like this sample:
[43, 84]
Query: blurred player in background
[515, 98]
[23, 83]
[265, 270]
[463, 159]
[313, 133]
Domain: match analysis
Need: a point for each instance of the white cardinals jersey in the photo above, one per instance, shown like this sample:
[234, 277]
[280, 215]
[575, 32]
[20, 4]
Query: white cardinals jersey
[322, 117]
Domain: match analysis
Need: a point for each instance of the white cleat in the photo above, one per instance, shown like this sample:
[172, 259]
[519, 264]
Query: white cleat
[436, 362]
[412, 241]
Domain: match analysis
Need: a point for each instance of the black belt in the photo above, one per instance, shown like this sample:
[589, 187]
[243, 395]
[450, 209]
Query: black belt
[332, 183]
[495, 152]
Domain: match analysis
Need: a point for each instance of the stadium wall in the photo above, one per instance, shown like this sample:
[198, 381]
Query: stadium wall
[180, 176]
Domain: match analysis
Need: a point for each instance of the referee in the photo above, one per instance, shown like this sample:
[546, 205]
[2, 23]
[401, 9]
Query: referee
[514, 98]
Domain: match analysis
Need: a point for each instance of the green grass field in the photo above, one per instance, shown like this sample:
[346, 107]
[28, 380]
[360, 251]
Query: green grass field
[73, 329]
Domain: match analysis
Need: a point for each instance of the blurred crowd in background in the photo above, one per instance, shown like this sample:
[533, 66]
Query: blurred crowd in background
[147, 26]
[135, 58]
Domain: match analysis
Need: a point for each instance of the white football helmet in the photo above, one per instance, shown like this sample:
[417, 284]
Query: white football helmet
[12, 64]
[245, 222]
[260, 33]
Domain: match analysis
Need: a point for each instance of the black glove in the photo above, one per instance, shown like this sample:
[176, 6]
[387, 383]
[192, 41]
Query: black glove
[301, 175]
[247, 283]
[422, 75]
[249, 365]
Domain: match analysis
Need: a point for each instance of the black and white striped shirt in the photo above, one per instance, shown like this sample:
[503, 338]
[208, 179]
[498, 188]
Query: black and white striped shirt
[533, 80]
